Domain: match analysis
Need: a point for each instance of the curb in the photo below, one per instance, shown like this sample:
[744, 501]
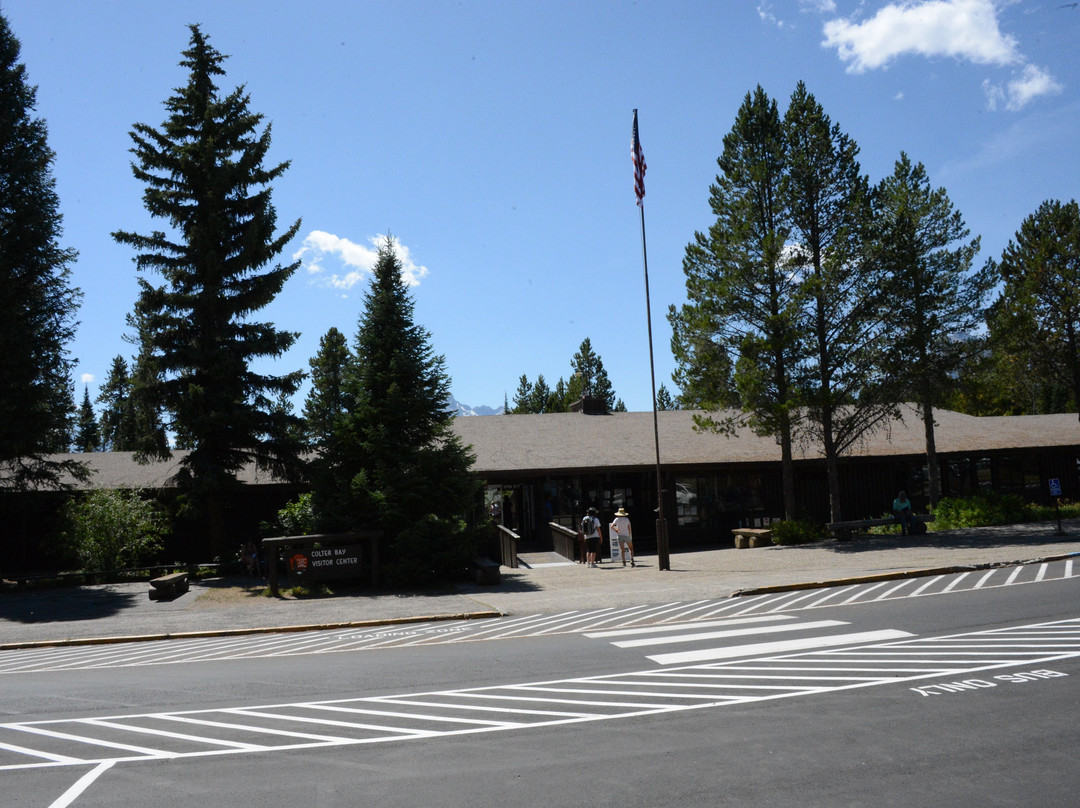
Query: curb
[895, 576]
[236, 632]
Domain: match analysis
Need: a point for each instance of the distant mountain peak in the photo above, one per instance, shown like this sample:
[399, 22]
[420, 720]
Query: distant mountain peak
[456, 407]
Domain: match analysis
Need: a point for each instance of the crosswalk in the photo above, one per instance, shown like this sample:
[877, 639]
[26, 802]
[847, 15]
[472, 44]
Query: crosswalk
[748, 672]
[199, 649]
[751, 627]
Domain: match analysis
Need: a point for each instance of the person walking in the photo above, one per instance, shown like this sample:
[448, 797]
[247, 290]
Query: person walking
[590, 529]
[621, 525]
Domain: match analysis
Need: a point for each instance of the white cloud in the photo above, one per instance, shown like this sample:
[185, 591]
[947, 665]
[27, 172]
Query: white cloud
[1032, 83]
[764, 10]
[356, 260]
[87, 378]
[962, 29]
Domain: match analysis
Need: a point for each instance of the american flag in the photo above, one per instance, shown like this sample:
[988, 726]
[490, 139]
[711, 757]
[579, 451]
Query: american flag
[639, 164]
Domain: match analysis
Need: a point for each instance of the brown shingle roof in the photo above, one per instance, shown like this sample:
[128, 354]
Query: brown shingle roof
[567, 442]
[561, 442]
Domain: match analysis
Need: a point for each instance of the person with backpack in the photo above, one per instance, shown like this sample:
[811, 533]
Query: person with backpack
[590, 529]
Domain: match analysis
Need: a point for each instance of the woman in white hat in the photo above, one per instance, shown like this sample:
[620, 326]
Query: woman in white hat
[621, 526]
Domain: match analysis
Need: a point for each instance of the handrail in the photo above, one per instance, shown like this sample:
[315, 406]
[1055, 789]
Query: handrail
[508, 540]
[566, 542]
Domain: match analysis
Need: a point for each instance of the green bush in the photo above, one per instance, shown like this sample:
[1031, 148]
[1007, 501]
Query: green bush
[989, 508]
[1044, 513]
[114, 529]
[297, 518]
[431, 552]
[795, 532]
[884, 530]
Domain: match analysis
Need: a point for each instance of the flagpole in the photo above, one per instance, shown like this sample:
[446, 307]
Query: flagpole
[662, 552]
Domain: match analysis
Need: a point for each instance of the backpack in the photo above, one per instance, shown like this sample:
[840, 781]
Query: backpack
[586, 525]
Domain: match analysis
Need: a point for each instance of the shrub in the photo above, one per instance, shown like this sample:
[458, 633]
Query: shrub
[795, 532]
[297, 518]
[989, 508]
[1044, 513]
[113, 529]
[883, 530]
[432, 551]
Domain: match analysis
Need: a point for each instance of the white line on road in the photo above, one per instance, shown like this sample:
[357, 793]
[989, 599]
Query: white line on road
[669, 627]
[734, 632]
[711, 654]
[81, 785]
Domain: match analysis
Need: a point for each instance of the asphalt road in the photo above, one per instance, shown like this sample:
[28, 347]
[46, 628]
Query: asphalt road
[957, 699]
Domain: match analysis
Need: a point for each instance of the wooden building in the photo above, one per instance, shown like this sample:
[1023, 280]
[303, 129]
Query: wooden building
[544, 468]
[551, 467]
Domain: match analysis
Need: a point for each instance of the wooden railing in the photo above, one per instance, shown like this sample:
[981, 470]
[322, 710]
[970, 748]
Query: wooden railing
[565, 542]
[508, 540]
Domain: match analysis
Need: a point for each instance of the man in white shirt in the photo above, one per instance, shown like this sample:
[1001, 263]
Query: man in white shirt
[621, 526]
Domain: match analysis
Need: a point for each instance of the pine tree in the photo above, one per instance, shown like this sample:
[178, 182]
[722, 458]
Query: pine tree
[664, 400]
[542, 396]
[1037, 317]
[204, 174]
[845, 290]
[117, 415]
[936, 302]
[326, 401]
[523, 396]
[589, 378]
[394, 462]
[37, 302]
[87, 434]
[744, 304]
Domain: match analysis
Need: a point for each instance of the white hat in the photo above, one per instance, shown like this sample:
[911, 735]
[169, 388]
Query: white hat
[621, 512]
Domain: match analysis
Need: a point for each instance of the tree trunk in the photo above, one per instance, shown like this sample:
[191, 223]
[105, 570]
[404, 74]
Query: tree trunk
[931, 452]
[832, 466]
[787, 467]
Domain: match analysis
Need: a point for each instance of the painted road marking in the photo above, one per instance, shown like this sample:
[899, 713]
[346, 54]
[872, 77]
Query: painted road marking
[101, 740]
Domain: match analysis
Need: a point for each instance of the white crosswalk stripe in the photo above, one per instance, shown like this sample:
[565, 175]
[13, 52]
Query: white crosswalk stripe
[181, 650]
[267, 728]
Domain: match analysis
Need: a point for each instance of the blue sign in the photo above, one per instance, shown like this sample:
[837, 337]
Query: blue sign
[1055, 487]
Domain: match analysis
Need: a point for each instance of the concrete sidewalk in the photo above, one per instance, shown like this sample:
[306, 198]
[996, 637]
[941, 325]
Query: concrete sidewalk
[115, 612]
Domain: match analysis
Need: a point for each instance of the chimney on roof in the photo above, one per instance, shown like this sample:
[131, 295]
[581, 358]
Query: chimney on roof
[590, 405]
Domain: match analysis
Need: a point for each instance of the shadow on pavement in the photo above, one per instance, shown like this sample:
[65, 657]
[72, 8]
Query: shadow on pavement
[970, 538]
[66, 604]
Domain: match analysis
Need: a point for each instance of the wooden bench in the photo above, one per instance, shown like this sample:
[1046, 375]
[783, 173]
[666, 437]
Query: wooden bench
[845, 530]
[752, 537]
[486, 571]
[167, 587]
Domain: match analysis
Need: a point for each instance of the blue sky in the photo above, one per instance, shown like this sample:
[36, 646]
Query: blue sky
[492, 139]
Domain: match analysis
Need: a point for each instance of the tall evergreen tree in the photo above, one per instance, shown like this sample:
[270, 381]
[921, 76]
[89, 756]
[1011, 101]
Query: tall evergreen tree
[543, 398]
[1037, 317]
[394, 462]
[936, 302]
[827, 199]
[664, 399]
[87, 433]
[744, 302]
[589, 377]
[38, 304]
[205, 175]
[523, 396]
[117, 414]
[326, 401]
